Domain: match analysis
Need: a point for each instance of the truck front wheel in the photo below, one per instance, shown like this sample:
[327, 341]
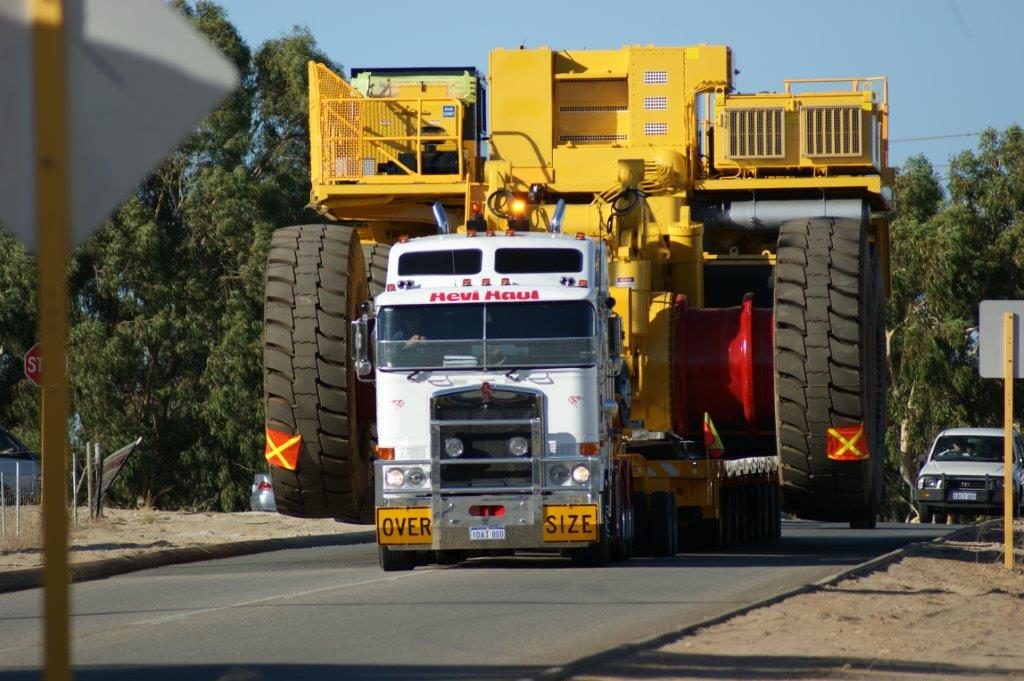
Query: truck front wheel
[396, 561]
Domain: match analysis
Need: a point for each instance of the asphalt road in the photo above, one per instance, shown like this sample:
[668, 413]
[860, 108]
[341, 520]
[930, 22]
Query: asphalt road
[330, 613]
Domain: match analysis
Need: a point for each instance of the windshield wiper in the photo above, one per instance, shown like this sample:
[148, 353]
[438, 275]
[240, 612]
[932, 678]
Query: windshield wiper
[509, 374]
[413, 375]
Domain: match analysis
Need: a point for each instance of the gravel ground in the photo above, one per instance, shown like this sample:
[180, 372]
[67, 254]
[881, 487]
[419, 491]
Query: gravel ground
[128, 532]
[947, 610]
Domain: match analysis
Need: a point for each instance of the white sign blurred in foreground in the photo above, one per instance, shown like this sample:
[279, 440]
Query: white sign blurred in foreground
[139, 80]
[992, 338]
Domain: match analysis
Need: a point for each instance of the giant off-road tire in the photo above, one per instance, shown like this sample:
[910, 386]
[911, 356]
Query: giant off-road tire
[375, 257]
[829, 367]
[316, 279]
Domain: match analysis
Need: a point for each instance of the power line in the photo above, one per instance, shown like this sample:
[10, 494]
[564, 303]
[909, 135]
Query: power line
[935, 137]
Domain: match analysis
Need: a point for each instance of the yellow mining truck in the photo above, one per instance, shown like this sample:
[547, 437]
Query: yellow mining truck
[747, 244]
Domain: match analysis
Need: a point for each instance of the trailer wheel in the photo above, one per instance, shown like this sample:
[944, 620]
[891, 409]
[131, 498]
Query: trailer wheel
[315, 282]
[641, 525]
[829, 367]
[396, 561]
[664, 524]
[776, 511]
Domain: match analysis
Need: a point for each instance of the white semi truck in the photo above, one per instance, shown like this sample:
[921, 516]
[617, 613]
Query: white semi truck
[495, 358]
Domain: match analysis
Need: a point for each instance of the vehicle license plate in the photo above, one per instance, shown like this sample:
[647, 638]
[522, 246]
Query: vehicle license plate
[404, 525]
[570, 522]
[486, 532]
[964, 496]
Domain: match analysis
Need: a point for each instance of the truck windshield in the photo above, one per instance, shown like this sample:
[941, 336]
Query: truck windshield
[513, 335]
[968, 448]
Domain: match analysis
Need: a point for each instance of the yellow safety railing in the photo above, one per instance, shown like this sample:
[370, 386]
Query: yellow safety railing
[369, 139]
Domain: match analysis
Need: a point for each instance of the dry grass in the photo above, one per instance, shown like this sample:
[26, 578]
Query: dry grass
[23, 531]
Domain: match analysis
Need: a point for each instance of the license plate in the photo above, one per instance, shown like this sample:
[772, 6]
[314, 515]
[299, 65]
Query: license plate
[486, 533]
[570, 522]
[963, 496]
[407, 525]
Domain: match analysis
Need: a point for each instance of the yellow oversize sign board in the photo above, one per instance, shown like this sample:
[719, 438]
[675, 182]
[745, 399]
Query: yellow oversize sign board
[409, 525]
[570, 522]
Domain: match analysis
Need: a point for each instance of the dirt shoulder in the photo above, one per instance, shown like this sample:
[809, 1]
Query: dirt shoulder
[131, 532]
[949, 609]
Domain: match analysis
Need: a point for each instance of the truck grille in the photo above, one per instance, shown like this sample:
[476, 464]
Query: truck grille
[485, 423]
[978, 483]
[501, 404]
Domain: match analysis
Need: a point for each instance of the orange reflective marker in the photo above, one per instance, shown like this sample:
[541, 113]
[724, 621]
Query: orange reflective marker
[846, 443]
[282, 449]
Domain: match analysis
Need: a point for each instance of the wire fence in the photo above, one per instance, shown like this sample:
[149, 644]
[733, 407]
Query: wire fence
[20, 489]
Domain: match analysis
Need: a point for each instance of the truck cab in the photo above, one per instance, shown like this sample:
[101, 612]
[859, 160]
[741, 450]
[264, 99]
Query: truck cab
[495, 358]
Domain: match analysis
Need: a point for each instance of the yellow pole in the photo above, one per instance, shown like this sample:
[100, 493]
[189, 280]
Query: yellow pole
[52, 214]
[1008, 489]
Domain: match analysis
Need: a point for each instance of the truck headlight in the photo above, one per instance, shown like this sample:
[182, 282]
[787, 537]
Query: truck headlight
[558, 474]
[394, 477]
[518, 446]
[580, 475]
[415, 477]
[453, 447]
[929, 482]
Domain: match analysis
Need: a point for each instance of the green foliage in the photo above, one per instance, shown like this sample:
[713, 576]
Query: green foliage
[167, 295]
[948, 254]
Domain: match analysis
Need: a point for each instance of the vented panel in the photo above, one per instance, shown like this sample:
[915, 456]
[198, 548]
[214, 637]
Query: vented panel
[590, 139]
[655, 77]
[592, 108]
[756, 133]
[832, 131]
[655, 103]
[655, 129]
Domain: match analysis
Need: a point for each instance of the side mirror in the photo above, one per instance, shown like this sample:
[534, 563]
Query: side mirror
[359, 340]
[921, 460]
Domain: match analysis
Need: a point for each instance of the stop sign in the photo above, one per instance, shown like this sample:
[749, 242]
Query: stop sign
[34, 365]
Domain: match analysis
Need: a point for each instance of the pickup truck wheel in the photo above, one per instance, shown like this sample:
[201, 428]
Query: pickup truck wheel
[939, 518]
[830, 367]
[315, 281]
[396, 561]
[925, 512]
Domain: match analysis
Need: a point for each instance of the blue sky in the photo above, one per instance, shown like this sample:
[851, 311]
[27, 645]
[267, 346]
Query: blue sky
[954, 66]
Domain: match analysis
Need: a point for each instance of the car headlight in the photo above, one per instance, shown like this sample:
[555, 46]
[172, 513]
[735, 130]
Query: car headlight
[394, 477]
[999, 483]
[415, 477]
[929, 482]
[518, 446]
[558, 474]
[580, 475]
[453, 447]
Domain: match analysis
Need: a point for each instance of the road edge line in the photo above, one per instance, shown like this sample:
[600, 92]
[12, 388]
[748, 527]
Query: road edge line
[32, 578]
[658, 640]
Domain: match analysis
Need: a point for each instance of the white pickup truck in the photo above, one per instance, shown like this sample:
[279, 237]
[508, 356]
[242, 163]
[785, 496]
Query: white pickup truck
[963, 474]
